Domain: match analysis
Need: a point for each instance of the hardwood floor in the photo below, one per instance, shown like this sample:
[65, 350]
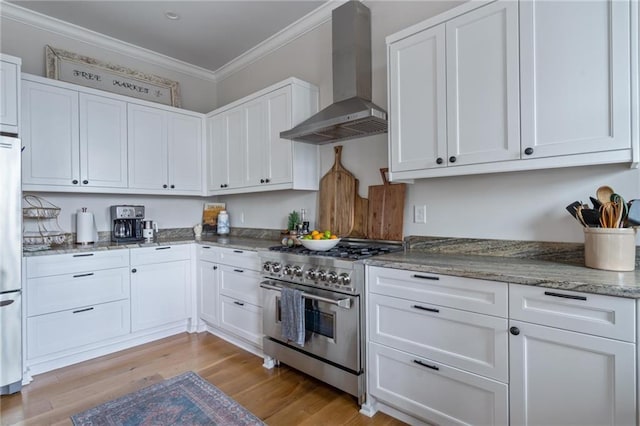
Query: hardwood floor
[281, 396]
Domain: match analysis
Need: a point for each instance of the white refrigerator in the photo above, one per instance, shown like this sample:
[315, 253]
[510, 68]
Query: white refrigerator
[10, 266]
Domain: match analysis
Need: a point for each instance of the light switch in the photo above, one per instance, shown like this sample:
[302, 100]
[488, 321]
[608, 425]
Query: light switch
[420, 214]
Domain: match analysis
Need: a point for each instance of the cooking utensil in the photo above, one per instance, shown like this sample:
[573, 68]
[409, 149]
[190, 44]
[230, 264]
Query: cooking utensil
[360, 215]
[622, 208]
[386, 209]
[604, 194]
[571, 208]
[596, 204]
[591, 217]
[610, 215]
[633, 216]
[337, 198]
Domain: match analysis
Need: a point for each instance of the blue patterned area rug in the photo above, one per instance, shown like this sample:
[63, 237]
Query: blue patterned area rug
[186, 399]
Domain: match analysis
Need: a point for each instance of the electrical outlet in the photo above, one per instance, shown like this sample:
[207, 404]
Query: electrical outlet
[242, 218]
[420, 214]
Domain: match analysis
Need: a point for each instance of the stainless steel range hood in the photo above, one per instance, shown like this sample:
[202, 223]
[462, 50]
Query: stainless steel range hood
[352, 114]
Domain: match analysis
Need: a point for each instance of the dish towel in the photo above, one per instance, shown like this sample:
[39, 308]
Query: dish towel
[292, 315]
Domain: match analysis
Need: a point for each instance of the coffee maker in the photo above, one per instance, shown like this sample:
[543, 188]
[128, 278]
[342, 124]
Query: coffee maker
[126, 223]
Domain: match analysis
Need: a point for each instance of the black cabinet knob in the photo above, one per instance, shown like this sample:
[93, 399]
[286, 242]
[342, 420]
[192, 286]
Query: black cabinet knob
[226, 184]
[439, 160]
[267, 180]
[164, 186]
[84, 182]
[261, 180]
[134, 270]
[215, 268]
[528, 151]
[75, 181]
[221, 186]
[514, 330]
[173, 186]
[452, 159]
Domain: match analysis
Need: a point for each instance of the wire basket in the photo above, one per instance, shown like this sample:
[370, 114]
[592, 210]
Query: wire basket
[39, 208]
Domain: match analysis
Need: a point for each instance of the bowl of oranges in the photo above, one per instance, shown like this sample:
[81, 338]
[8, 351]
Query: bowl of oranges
[320, 241]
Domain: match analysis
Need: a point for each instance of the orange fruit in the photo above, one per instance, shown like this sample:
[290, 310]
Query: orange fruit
[317, 236]
[333, 237]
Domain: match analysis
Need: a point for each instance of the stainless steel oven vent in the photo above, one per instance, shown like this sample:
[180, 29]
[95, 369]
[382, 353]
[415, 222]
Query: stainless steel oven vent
[352, 114]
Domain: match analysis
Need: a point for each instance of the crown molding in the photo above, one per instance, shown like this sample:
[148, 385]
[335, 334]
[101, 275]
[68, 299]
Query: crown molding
[307, 23]
[66, 29]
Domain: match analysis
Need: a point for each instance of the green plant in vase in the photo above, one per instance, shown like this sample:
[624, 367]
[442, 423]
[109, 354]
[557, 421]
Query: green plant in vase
[294, 220]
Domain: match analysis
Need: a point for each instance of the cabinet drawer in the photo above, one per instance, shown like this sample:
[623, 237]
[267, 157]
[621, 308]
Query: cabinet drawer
[435, 392]
[242, 319]
[71, 263]
[241, 258]
[241, 284]
[208, 253]
[606, 316]
[67, 330]
[62, 292]
[160, 254]
[482, 296]
[472, 342]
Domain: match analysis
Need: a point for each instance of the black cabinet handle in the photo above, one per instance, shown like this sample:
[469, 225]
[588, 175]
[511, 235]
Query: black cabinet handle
[238, 303]
[452, 159]
[83, 255]
[238, 270]
[238, 251]
[84, 182]
[83, 275]
[173, 186]
[426, 277]
[439, 160]
[75, 181]
[514, 330]
[83, 310]
[134, 270]
[206, 247]
[564, 296]
[164, 186]
[528, 151]
[163, 248]
[424, 364]
[424, 308]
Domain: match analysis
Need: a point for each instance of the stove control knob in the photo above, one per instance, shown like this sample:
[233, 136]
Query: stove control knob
[297, 271]
[344, 279]
[266, 266]
[322, 275]
[332, 277]
[310, 274]
[276, 267]
[287, 270]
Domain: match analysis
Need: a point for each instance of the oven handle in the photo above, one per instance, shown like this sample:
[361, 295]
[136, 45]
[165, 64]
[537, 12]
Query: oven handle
[343, 303]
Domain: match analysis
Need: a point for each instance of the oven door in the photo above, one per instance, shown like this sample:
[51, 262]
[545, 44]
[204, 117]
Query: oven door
[332, 323]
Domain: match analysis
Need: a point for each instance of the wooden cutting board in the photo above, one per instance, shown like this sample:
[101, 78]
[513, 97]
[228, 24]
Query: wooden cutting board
[337, 198]
[360, 215]
[386, 210]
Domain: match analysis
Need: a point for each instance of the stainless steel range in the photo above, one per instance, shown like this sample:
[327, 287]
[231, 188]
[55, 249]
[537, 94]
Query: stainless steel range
[332, 283]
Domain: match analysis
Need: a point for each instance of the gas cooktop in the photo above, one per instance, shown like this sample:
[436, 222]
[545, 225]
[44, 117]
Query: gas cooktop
[348, 250]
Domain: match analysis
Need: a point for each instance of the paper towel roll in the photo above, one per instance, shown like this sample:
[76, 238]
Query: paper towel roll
[85, 229]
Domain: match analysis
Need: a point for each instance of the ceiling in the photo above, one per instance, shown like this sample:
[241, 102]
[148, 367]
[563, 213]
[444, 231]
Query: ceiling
[208, 34]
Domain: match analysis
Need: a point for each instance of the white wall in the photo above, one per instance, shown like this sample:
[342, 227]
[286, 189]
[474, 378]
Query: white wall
[518, 205]
[28, 42]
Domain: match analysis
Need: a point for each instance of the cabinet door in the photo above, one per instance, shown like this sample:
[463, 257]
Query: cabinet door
[278, 152]
[236, 148]
[575, 76]
[184, 152]
[565, 378]
[255, 149]
[103, 142]
[208, 286]
[9, 78]
[217, 152]
[417, 102]
[242, 319]
[483, 120]
[50, 135]
[159, 294]
[147, 147]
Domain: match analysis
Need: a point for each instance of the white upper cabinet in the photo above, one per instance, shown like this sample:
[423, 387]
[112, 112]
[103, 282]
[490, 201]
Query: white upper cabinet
[103, 141]
[50, 135]
[454, 91]
[487, 85]
[245, 151]
[9, 93]
[575, 77]
[165, 151]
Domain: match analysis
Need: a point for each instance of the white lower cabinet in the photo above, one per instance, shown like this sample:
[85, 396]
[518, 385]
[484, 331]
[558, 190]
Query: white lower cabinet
[242, 319]
[563, 377]
[160, 286]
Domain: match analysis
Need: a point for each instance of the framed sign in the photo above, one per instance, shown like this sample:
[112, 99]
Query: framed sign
[72, 68]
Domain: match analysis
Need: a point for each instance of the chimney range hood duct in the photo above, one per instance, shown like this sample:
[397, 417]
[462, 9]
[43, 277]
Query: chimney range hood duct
[352, 114]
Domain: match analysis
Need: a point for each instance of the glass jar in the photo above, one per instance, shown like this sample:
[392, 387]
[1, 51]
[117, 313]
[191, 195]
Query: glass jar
[223, 223]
